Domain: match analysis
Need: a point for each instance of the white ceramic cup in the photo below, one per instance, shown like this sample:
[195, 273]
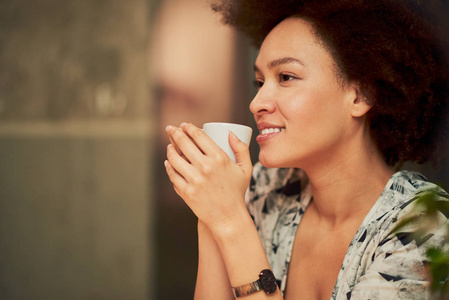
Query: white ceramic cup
[219, 133]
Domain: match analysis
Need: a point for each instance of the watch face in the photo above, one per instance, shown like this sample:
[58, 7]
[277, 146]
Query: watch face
[267, 281]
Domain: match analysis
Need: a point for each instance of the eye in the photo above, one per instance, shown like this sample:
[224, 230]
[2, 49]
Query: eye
[286, 77]
[258, 83]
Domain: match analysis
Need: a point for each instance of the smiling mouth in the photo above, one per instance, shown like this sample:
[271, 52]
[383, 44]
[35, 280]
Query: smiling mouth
[271, 130]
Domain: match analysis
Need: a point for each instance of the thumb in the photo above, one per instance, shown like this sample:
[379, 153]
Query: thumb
[241, 151]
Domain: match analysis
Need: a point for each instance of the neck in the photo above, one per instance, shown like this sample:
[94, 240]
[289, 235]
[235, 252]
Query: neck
[347, 188]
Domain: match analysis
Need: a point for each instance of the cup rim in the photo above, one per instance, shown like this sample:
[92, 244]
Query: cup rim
[226, 124]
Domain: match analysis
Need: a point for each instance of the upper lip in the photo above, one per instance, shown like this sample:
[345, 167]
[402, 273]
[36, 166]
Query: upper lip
[264, 125]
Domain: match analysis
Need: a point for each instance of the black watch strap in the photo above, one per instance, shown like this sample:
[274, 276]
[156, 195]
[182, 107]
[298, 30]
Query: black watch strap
[266, 282]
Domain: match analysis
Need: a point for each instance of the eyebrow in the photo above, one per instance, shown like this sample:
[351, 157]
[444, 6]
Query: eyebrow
[281, 61]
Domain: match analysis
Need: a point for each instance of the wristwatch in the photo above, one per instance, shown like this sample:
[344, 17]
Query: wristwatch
[266, 282]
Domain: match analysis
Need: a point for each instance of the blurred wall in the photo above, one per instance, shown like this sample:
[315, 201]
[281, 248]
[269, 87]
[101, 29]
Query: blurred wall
[192, 56]
[201, 74]
[76, 138]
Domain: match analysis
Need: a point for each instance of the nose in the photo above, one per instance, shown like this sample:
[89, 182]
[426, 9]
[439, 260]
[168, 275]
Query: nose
[262, 103]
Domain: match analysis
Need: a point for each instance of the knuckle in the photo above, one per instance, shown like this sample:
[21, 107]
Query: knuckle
[206, 169]
[197, 181]
[190, 192]
[222, 158]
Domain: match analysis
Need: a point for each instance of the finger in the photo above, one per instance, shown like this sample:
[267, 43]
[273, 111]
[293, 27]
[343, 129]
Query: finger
[179, 184]
[179, 151]
[186, 145]
[180, 164]
[181, 127]
[176, 179]
[204, 142]
[168, 129]
[241, 152]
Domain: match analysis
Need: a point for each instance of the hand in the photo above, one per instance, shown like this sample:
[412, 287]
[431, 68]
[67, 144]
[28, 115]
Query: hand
[210, 183]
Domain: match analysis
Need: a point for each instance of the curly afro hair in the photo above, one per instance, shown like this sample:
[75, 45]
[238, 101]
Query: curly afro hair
[396, 50]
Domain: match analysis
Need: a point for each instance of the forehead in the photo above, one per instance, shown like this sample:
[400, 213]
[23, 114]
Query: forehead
[292, 26]
[293, 37]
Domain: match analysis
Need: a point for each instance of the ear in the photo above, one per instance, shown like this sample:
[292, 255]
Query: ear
[360, 105]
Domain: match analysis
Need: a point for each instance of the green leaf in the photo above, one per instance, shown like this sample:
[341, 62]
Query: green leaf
[405, 222]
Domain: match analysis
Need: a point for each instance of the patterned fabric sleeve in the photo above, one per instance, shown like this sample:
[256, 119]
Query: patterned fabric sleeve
[397, 267]
[276, 200]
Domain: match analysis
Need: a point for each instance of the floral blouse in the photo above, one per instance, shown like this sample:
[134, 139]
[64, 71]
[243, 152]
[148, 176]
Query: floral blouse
[380, 263]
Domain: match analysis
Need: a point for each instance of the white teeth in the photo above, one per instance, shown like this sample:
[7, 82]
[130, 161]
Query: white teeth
[271, 130]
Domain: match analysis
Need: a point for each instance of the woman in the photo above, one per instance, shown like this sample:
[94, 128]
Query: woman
[347, 92]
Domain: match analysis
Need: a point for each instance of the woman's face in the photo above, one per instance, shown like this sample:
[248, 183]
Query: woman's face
[302, 109]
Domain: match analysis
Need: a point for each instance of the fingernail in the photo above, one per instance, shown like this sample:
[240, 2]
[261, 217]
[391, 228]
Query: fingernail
[168, 128]
[233, 136]
[183, 124]
[166, 163]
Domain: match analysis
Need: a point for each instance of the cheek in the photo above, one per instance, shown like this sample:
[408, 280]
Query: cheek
[314, 115]
[303, 108]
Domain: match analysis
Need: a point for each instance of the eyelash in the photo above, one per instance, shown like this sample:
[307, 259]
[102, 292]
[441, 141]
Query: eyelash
[281, 77]
[258, 84]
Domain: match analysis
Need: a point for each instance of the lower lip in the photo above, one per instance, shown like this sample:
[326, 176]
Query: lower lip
[264, 137]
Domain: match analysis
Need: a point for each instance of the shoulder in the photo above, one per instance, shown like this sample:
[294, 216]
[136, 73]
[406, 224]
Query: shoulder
[399, 213]
[417, 213]
[402, 191]
[388, 258]
[426, 207]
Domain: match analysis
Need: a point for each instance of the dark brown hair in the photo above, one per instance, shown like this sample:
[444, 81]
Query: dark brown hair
[396, 50]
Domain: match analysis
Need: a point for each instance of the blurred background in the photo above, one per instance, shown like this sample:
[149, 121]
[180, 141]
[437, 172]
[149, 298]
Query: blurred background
[86, 90]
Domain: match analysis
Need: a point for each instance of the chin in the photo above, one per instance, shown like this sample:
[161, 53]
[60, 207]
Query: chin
[279, 160]
[272, 162]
